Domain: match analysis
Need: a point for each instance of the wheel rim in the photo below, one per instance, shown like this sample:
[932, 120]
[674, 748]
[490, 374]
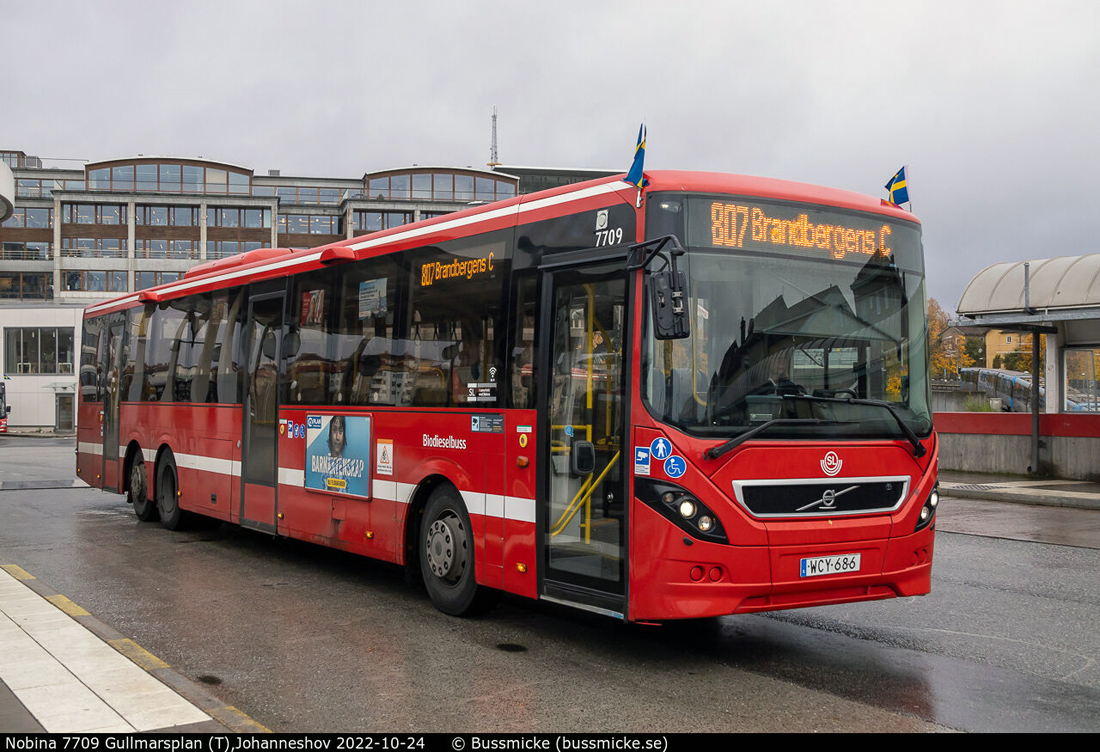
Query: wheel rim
[137, 482]
[446, 549]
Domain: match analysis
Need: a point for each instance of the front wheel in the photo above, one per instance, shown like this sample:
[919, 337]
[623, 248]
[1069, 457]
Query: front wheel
[447, 557]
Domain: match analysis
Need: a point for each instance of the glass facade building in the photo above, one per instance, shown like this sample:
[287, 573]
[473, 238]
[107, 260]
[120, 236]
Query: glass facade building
[77, 235]
[81, 235]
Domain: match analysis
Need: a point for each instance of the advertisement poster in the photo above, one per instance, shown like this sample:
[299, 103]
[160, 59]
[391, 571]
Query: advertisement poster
[372, 298]
[313, 308]
[338, 454]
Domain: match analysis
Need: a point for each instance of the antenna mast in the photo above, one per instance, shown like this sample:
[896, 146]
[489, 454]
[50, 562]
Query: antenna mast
[493, 161]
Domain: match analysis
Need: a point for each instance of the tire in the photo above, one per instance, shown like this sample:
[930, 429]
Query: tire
[168, 503]
[447, 557]
[144, 507]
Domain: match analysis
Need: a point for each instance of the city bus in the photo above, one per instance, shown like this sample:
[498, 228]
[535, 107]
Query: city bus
[707, 397]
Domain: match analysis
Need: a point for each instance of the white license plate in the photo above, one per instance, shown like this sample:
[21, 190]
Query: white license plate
[821, 565]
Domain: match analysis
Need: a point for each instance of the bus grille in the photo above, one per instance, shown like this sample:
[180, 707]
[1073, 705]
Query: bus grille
[821, 498]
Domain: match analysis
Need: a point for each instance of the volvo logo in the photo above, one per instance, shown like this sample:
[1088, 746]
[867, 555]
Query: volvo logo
[827, 502]
[830, 464]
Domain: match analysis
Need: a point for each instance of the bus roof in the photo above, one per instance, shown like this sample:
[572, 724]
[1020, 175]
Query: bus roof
[266, 263]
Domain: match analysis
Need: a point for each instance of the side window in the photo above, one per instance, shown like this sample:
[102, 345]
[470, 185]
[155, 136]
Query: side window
[310, 370]
[522, 356]
[367, 363]
[162, 352]
[89, 361]
[453, 355]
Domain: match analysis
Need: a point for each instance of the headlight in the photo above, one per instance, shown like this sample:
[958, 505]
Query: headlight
[681, 508]
[928, 511]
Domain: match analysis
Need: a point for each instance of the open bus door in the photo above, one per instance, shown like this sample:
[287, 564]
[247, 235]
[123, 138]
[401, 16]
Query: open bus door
[262, 341]
[582, 507]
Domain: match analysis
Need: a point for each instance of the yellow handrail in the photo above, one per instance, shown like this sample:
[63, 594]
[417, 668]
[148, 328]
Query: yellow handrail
[584, 496]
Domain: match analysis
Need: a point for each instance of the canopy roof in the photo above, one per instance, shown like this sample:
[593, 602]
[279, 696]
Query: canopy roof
[1058, 288]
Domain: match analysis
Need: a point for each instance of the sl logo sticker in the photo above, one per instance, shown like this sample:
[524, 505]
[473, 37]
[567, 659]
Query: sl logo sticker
[830, 464]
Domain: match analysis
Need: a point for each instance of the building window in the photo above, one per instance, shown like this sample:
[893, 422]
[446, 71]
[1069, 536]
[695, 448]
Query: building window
[31, 218]
[166, 178]
[85, 281]
[93, 248]
[26, 286]
[93, 214]
[38, 350]
[143, 280]
[152, 216]
[151, 248]
[370, 221]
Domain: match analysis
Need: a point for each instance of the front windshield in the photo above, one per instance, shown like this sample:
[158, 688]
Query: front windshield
[795, 311]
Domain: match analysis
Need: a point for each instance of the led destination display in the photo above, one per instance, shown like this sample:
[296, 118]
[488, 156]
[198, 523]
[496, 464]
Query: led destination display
[788, 229]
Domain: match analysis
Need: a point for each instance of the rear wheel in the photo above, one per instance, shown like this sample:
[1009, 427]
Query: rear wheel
[168, 503]
[447, 557]
[144, 507]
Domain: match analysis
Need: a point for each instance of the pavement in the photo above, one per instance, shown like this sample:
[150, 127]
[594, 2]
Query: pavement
[64, 671]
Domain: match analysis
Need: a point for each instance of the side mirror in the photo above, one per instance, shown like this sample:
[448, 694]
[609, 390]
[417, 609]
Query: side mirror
[666, 298]
[582, 456]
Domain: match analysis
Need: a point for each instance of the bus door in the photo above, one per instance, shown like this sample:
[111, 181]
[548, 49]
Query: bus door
[111, 357]
[581, 508]
[262, 341]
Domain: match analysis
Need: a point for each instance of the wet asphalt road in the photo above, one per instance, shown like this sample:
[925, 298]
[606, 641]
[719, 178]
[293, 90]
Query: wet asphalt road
[305, 639]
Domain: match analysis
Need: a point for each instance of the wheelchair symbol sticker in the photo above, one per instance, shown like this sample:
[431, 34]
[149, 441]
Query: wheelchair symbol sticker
[675, 466]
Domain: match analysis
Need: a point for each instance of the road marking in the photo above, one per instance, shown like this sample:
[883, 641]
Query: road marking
[17, 572]
[137, 654]
[67, 606]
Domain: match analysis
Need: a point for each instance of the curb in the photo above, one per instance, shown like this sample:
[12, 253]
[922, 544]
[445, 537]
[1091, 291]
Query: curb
[1017, 495]
[225, 716]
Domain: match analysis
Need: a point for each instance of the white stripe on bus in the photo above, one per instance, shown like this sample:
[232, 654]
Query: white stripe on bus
[516, 508]
[521, 208]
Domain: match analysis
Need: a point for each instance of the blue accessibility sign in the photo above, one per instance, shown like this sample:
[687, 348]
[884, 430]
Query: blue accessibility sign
[675, 466]
[661, 448]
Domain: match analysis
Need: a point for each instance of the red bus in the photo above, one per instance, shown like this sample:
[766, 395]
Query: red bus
[705, 399]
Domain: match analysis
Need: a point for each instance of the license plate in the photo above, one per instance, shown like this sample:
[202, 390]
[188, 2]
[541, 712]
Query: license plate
[821, 565]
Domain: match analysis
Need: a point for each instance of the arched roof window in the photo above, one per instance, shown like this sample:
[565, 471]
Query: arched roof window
[161, 175]
[439, 184]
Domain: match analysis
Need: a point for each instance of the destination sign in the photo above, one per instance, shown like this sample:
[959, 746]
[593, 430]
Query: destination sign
[776, 227]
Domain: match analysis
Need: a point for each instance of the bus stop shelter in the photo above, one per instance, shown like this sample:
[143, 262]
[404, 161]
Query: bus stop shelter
[1058, 297]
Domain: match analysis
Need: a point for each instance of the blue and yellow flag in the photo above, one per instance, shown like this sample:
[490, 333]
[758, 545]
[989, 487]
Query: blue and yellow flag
[899, 190]
[635, 177]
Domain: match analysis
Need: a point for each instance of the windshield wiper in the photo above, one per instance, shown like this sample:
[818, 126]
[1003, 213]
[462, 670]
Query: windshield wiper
[910, 434]
[717, 451]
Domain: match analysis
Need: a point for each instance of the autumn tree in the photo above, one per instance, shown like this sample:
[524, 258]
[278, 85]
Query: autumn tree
[948, 351]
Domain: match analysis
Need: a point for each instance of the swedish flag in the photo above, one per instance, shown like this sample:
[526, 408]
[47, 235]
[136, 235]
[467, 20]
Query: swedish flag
[635, 176]
[899, 190]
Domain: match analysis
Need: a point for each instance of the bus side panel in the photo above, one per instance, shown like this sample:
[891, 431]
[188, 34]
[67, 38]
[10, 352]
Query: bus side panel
[89, 443]
[203, 440]
[351, 523]
[520, 553]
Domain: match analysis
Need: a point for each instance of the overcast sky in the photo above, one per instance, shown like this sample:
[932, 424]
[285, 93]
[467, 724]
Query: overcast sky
[993, 105]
